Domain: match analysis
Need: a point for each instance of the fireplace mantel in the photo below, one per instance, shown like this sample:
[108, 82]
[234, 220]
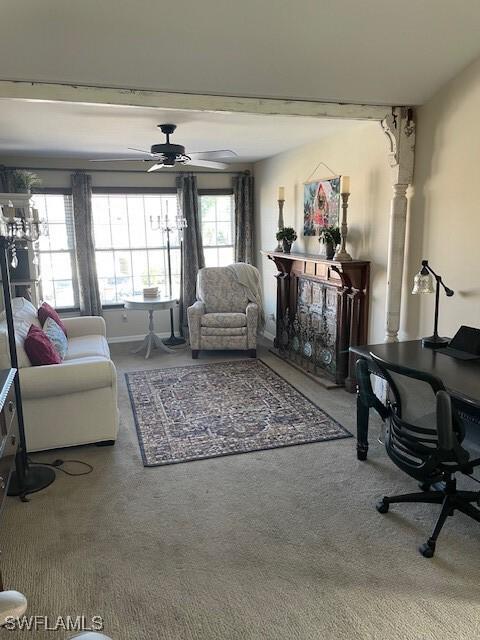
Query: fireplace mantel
[322, 310]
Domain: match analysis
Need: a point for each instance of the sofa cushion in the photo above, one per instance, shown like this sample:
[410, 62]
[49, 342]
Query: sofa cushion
[39, 348]
[224, 320]
[56, 335]
[86, 347]
[46, 311]
[224, 331]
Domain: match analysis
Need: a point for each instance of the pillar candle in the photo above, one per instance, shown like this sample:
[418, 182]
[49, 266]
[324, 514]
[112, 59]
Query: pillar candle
[281, 193]
[345, 184]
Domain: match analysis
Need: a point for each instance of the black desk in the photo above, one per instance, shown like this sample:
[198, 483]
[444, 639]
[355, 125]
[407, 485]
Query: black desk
[460, 377]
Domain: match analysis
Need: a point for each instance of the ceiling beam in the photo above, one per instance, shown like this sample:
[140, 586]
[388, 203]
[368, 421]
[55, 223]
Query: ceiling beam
[188, 101]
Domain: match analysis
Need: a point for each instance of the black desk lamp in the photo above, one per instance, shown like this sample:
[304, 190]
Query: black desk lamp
[423, 284]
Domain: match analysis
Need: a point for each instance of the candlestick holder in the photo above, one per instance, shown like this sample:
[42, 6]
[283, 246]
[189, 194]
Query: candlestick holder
[342, 254]
[179, 225]
[281, 225]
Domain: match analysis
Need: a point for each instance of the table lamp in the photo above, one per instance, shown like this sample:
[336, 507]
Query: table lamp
[423, 283]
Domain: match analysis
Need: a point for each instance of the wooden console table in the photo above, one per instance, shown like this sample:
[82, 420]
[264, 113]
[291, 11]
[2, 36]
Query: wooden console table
[322, 311]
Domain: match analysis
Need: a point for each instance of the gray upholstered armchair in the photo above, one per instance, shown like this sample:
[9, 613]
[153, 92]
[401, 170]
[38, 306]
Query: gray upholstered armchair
[222, 317]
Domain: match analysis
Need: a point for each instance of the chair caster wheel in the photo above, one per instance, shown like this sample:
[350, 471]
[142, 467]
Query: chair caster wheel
[382, 507]
[427, 550]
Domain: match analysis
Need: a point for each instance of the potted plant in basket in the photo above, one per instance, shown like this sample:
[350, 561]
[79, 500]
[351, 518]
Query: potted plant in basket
[24, 180]
[288, 236]
[330, 237]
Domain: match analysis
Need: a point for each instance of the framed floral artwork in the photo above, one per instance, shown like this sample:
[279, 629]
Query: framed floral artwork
[321, 205]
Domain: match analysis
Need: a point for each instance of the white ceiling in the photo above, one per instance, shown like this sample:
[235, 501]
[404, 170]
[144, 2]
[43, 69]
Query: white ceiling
[87, 131]
[374, 51]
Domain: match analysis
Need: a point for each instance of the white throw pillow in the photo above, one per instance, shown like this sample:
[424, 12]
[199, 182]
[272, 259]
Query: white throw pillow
[24, 315]
[21, 330]
[22, 309]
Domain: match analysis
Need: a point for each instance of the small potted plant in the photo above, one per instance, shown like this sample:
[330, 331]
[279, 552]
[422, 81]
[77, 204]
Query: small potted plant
[288, 236]
[330, 237]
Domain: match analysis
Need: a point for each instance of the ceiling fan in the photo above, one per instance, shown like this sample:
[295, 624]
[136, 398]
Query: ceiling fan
[167, 154]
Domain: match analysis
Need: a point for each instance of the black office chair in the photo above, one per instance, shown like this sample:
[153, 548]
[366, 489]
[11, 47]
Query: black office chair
[423, 438]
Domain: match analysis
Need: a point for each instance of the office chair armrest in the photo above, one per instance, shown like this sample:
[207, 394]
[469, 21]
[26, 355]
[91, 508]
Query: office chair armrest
[446, 438]
[474, 463]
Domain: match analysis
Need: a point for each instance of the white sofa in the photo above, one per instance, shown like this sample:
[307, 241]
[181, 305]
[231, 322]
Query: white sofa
[72, 403]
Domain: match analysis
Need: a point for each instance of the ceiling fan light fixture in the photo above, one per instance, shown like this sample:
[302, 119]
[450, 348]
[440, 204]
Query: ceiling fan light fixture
[169, 161]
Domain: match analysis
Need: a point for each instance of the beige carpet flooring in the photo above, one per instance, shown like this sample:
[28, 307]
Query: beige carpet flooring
[281, 544]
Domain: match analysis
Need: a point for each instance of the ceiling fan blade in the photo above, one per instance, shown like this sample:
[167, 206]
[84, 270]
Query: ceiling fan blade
[218, 154]
[119, 159]
[155, 167]
[207, 163]
[141, 150]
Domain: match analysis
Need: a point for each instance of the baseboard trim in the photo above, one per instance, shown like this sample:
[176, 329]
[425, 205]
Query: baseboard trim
[268, 336]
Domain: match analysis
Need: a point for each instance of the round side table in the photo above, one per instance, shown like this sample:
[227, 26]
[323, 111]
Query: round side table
[151, 340]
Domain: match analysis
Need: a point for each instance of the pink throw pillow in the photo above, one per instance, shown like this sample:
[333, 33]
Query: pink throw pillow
[46, 311]
[39, 348]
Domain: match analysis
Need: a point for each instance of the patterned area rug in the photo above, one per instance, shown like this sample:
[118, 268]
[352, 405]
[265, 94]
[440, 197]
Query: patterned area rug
[222, 408]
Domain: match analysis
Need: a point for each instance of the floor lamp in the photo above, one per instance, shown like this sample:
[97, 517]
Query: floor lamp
[27, 478]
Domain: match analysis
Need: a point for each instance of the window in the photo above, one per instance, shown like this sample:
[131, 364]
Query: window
[56, 250]
[217, 229]
[130, 255]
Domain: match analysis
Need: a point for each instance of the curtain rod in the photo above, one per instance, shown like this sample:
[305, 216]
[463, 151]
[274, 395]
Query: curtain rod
[177, 173]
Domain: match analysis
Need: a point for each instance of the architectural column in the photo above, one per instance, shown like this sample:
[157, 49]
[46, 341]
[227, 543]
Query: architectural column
[400, 130]
[396, 253]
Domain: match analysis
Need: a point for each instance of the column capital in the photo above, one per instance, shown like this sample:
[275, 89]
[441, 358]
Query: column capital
[399, 127]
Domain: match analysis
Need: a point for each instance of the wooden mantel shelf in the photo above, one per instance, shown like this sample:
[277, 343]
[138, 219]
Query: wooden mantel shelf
[309, 257]
[351, 274]
[322, 310]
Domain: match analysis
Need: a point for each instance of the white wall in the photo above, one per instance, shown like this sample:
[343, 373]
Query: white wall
[361, 152]
[443, 222]
[445, 218]
[121, 323]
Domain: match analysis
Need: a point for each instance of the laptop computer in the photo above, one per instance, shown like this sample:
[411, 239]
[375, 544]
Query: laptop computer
[465, 345]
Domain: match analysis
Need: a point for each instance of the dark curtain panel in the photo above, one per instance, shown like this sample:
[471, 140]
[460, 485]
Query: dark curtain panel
[7, 183]
[192, 248]
[90, 304]
[243, 195]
